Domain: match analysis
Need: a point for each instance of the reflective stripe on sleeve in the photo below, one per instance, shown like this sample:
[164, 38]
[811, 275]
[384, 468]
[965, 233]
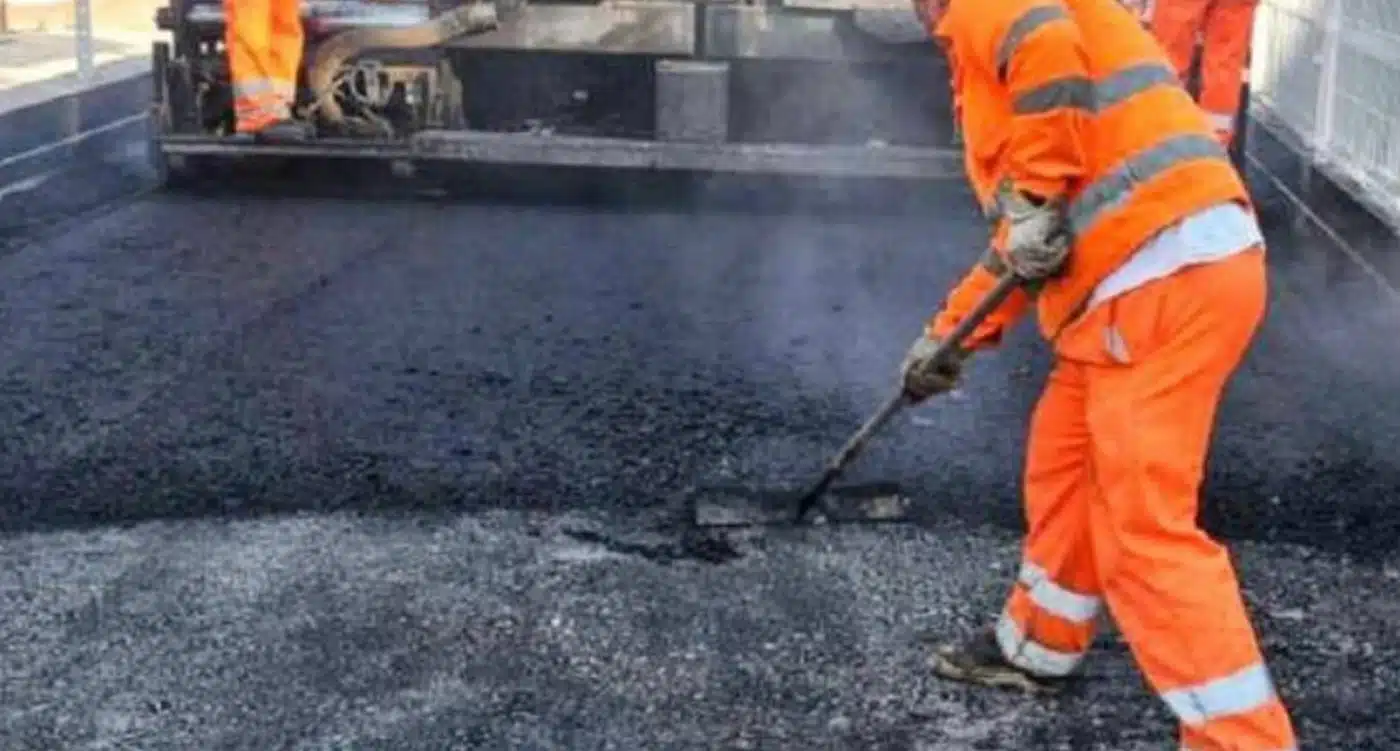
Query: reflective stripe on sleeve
[1092, 97]
[1115, 187]
[1075, 93]
[1022, 27]
[1055, 599]
[1032, 657]
[1242, 692]
[1114, 90]
[1122, 85]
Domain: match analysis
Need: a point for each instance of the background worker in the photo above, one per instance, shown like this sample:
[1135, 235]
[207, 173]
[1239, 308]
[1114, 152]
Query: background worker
[1110, 194]
[1224, 30]
[265, 42]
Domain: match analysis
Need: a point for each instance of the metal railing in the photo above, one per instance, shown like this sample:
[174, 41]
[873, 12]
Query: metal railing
[70, 74]
[1326, 77]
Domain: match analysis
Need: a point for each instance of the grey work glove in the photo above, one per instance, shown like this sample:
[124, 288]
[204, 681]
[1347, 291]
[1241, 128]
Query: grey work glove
[924, 376]
[1037, 242]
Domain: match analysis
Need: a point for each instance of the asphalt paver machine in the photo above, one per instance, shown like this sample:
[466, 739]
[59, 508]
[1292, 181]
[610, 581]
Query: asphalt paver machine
[824, 88]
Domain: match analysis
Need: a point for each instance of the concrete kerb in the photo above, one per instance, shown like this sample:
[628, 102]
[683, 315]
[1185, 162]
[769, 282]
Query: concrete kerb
[53, 124]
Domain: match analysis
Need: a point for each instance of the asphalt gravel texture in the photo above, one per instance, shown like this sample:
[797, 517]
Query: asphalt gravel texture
[327, 472]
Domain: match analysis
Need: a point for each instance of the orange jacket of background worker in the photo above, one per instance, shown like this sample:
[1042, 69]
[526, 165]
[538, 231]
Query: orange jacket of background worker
[264, 39]
[1224, 29]
[1077, 131]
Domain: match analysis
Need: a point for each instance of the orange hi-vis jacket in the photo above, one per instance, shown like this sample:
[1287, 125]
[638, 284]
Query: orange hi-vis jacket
[1073, 100]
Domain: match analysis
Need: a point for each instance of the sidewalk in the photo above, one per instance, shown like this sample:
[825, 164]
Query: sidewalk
[58, 15]
[33, 56]
[37, 42]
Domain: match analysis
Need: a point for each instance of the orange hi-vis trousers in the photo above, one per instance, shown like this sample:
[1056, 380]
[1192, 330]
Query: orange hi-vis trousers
[265, 42]
[1115, 459]
[1225, 29]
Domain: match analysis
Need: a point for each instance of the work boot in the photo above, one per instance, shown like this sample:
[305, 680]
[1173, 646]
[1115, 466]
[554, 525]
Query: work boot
[284, 131]
[979, 660]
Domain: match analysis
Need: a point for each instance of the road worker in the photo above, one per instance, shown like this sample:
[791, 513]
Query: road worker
[265, 43]
[1109, 194]
[1223, 29]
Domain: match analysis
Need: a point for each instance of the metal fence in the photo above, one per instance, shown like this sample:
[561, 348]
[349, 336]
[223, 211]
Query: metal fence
[72, 81]
[1326, 77]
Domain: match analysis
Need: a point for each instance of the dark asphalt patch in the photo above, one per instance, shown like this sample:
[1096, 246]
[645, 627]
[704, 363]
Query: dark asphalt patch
[722, 506]
[328, 473]
[712, 549]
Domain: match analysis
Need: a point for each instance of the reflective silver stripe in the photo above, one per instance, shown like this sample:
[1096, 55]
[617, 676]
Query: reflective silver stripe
[1242, 692]
[1221, 121]
[262, 111]
[1117, 186]
[255, 87]
[1094, 98]
[1076, 93]
[1055, 599]
[272, 109]
[1027, 24]
[1081, 93]
[1032, 657]
[1122, 85]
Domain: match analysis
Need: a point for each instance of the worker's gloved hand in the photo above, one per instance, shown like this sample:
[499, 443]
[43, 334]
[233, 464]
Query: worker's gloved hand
[1037, 241]
[924, 375]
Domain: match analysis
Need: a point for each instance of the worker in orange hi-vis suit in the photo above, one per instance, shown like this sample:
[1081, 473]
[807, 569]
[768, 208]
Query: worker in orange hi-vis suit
[1109, 193]
[265, 43]
[1224, 29]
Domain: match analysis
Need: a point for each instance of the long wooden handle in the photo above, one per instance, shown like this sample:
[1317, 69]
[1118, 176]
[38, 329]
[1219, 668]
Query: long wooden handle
[974, 318]
[853, 448]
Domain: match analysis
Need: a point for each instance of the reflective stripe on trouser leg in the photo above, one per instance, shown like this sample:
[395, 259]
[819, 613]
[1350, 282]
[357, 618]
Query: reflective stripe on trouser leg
[1224, 125]
[263, 88]
[1046, 628]
[1209, 710]
[255, 111]
[1034, 658]
[1050, 617]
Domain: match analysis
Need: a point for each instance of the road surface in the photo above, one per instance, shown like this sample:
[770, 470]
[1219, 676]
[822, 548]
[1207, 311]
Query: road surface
[340, 473]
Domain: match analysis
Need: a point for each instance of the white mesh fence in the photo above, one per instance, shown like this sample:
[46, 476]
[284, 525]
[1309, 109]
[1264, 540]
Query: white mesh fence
[1327, 74]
